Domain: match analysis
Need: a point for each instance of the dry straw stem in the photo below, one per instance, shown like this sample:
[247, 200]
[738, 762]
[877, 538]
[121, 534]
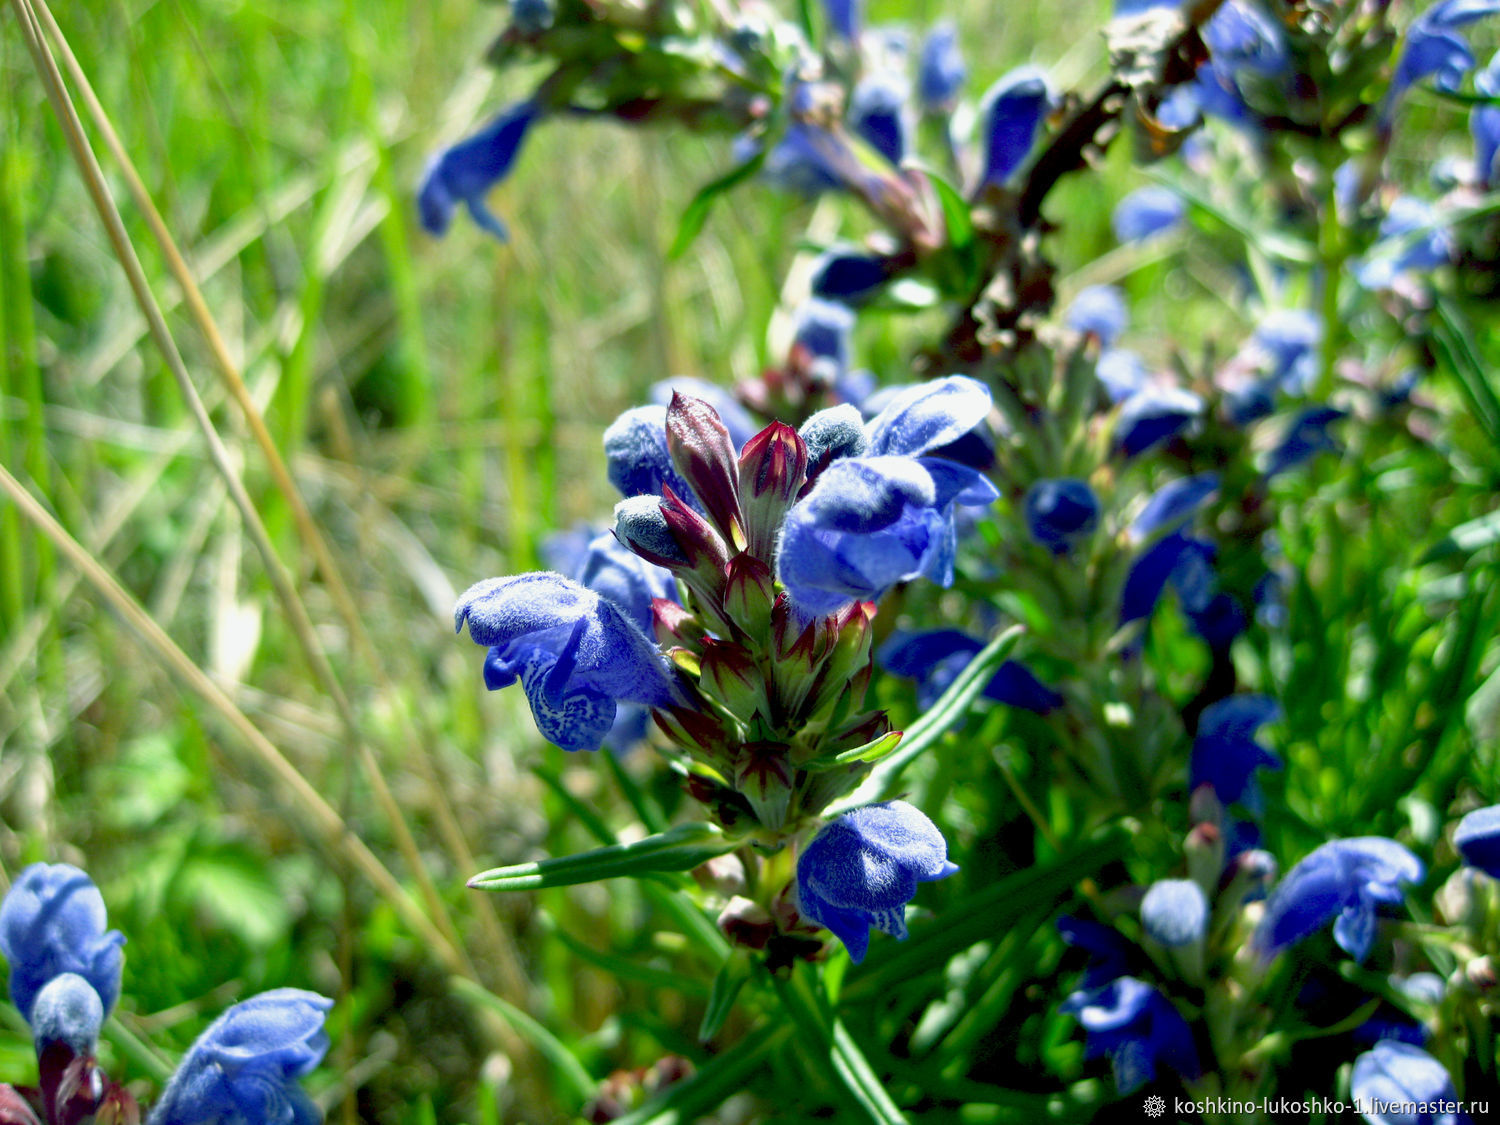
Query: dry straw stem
[511, 977]
[437, 929]
[323, 816]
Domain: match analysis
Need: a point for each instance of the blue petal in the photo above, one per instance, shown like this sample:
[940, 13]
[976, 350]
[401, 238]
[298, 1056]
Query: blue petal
[941, 71]
[52, 922]
[1172, 504]
[926, 416]
[465, 172]
[1099, 310]
[639, 464]
[1010, 113]
[877, 113]
[1061, 513]
[1154, 415]
[1477, 839]
[1147, 212]
[1175, 912]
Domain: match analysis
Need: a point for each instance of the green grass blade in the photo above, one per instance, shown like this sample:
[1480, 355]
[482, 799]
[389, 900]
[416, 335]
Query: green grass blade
[678, 849]
[569, 1071]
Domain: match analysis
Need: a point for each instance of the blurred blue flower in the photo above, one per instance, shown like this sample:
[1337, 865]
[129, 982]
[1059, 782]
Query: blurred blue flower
[808, 160]
[1484, 123]
[244, 1069]
[1111, 956]
[846, 17]
[1241, 36]
[1345, 881]
[941, 71]
[465, 172]
[1138, 1028]
[1289, 339]
[1154, 414]
[877, 113]
[861, 870]
[52, 922]
[1099, 311]
[532, 17]
[1173, 504]
[1401, 1074]
[1010, 114]
[1169, 557]
[1174, 912]
[1435, 48]
[825, 329]
[1121, 372]
[575, 652]
[1225, 753]
[936, 657]
[1305, 438]
[1061, 513]
[735, 417]
[1477, 839]
[1413, 236]
[850, 276]
[1147, 212]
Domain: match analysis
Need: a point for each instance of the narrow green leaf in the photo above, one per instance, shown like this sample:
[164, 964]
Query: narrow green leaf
[980, 916]
[730, 980]
[568, 1070]
[1455, 344]
[697, 211]
[924, 734]
[1466, 538]
[678, 849]
[822, 1033]
[869, 752]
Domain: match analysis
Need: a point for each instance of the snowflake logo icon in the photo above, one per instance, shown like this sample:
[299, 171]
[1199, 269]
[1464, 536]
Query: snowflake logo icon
[1155, 1106]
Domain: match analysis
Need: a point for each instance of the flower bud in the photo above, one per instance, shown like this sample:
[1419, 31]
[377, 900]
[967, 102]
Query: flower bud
[704, 457]
[68, 1011]
[746, 923]
[765, 778]
[772, 470]
[749, 595]
[641, 526]
[730, 676]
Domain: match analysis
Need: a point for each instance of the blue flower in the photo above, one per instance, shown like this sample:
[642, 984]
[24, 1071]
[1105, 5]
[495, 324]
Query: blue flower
[809, 160]
[1413, 236]
[877, 113]
[639, 463]
[935, 658]
[825, 329]
[1099, 311]
[1121, 372]
[1225, 753]
[1147, 212]
[1434, 46]
[1173, 504]
[575, 652]
[941, 71]
[1346, 880]
[52, 922]
[1398, 1074]
[1289, 339]
[244, 1069]
[849, 276]
[925, 417]
[870, 523]
[1174, 912]
[863, 868]
[1477, 839]
[1154, 414]
[1111, 956]
[1484, 123]
[465, 172]
[1240, 36]
[1138, 1028]
[1305, 438]
[1061, 513]
[846, 17]
[1010, 113]
[67, 1010]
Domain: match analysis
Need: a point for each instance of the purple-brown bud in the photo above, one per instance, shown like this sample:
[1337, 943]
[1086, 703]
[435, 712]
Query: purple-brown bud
[697, 732]
[746, 923]
[674, 625]
[772, 470]
[703, 455]
[16, 1110]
